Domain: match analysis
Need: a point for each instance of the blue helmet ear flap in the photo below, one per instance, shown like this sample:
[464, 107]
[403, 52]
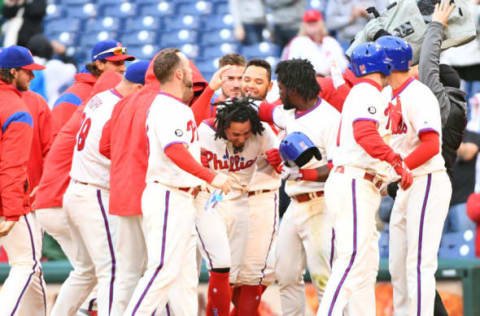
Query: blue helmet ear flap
[298, 149]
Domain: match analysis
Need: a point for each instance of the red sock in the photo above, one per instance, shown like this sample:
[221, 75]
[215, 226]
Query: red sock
[235, 300]
[249, 300]
[219, 294]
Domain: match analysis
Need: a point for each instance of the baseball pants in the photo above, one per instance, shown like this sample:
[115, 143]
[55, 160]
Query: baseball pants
[131, 251]
[212, 235]
[352, 202]
[54, 221]
[416, 226]
[305, 238]
[92, 229]
[168, 221]
[23, 292]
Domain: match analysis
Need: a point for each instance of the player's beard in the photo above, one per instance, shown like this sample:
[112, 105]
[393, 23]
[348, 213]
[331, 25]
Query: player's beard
[188, 90]
[234, 93]
[238, 149]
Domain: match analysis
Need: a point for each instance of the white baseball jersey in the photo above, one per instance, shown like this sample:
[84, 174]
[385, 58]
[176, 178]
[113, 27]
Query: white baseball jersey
[240, 166]
[420, 113]
[320, 123]
[88, 165]
[364, 102]
[170, 121]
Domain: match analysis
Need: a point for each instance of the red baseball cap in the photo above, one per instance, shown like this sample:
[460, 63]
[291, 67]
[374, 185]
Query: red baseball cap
[312, 16]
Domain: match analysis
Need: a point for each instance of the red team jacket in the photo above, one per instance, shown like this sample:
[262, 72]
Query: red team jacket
[71, 99]
[128, 148]
[336, 96]
[15, 144]
[55, 178]
[42, 134]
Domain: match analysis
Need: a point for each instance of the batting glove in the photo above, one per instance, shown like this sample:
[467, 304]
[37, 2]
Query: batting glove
[273, 157]
[290, 173]
[402, 170]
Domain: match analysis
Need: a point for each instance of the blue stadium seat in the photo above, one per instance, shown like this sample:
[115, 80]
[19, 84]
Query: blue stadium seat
[90, 39]
[139, 38]
[187, 22]
[147, 1]
[383, 244]
[176, 39]
[162, 8]
[74, 2]
[145, 52]
[261, 50]
[190, 50]
[216, 51]
[62, 25]
[207, 66]
[151, 23]
[123, 10]
[194, 8]
[66, 38]
[107, 23]
[81, 11]
[217, 22]
[457, 245]
[217, 37]
[53, 12]
[117, 2]
[222, 8]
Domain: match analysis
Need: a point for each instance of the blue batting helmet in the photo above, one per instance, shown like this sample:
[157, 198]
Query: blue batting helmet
[297, 149]
[368, 58]
[398, 50]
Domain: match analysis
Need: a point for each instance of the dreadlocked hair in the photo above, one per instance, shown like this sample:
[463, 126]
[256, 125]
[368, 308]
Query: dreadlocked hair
[237, 110]
[299, 76]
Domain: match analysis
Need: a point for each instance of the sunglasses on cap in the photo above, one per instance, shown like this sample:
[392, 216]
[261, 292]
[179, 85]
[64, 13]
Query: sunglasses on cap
[118, 50]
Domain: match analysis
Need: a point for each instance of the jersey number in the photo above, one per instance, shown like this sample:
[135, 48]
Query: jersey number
[82, 135]
[191, 126]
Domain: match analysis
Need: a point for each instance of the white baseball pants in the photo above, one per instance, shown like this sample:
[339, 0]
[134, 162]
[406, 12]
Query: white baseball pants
[23, 292]
[416, 226]
[92, 229]
[168, 220]
[54, 221]
[353, 203]
[305, 239]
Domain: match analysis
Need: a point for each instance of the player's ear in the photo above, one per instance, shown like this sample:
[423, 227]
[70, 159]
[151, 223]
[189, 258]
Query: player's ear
[270, 85]
[179, 73]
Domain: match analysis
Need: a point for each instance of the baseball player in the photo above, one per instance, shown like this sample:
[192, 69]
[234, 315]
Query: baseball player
[305, 227]
[232, 87]
[23, 292]
[362, 162]
[42, 136]
[106, 56]
[232, 144]
[48, 204]
[173, 178]
[86, 198]
[123, 141]
[419, 211]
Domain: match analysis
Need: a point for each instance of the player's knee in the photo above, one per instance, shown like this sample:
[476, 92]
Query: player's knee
[286, 277]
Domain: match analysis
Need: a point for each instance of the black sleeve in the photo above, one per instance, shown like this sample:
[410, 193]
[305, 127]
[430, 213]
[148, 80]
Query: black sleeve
[10, 11]
[471, 137]
[36, 9]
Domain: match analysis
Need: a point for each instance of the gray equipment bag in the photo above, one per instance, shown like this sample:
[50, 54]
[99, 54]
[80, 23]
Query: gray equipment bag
[408, 19]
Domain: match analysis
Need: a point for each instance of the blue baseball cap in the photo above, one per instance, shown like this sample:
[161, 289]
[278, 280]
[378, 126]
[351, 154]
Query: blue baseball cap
[111, 51]
[136, 71]
[18, 57]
